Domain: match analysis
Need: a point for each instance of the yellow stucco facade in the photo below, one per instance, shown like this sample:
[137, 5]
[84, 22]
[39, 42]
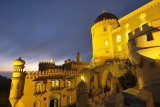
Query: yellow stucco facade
[51, 86]
[56, 85]
[110, 35]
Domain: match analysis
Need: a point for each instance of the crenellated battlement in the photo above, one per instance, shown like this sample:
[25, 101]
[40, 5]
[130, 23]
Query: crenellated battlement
[139, 11]
[140, 31]
[106, 21]
[51, 72]
[46, 62]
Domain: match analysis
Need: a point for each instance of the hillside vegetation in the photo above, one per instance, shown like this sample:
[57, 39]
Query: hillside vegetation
[5, 84]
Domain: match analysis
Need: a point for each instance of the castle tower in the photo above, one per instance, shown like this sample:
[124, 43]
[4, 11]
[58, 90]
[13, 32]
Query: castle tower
[17, 85]
[102, 37]
[78, 57]
[82, 95]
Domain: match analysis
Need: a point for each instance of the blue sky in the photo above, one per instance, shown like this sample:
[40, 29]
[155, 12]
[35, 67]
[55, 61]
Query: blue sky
[38, 30]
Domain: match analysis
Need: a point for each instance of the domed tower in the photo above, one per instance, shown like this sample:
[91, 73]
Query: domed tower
[16, 90]
[102, 37]
[82, 95]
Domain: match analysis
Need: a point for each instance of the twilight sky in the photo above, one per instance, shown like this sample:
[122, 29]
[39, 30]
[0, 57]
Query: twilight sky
[38, 30]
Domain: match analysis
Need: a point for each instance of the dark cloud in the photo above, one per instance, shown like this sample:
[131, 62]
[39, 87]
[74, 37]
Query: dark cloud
[43, 29]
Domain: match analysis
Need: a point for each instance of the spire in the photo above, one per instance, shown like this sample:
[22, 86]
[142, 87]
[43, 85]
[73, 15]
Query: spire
[78, 57]
[78, 52]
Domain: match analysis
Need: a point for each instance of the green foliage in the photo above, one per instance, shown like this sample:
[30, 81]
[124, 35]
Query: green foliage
[5, 84]
[128, 80]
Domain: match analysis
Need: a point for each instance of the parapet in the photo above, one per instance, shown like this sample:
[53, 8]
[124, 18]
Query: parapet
[107, 21]
[139, 11]
[46, 62]
[140, 31]
[51, 72]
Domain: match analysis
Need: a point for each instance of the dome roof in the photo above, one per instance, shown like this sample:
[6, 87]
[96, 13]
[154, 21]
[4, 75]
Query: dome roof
[82, 86]
[19, 62]
[104, 16]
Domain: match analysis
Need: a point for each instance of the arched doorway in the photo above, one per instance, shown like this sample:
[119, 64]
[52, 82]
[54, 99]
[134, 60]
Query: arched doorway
[54, 103]
[55, 100]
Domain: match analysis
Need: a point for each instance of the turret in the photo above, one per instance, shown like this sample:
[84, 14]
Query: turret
[102, 37]
[16, 90]
[78, 57]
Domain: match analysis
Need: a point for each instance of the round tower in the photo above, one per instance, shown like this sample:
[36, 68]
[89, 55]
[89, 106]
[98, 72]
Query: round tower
[82, 95]
[18, 76]
[78, 57]
[102, 37]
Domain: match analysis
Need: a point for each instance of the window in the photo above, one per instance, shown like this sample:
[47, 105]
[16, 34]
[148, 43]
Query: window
[119, 48]
[57, 83]
[105, 28]
[106, 42]
[38, 87]
[69, 84]
[119, 38]
[69, 100]
[52, 84]
[37, 104]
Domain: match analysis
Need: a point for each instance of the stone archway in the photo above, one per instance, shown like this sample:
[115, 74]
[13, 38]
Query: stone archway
[55, 100]
[54, 103]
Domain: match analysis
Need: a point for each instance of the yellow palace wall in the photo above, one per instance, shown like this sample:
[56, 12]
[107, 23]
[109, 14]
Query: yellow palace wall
[128, 23]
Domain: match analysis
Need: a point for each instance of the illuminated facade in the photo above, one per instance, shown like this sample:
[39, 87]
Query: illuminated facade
[51, 86]
[114, 41]
[134, 36]
[110, 34]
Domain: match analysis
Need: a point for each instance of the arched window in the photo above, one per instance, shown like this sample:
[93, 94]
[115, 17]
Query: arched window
[37, 104]
[119, 38]
[69, 84]
[57, 83]
[52, 84]
[38, 87]
[69, 99]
